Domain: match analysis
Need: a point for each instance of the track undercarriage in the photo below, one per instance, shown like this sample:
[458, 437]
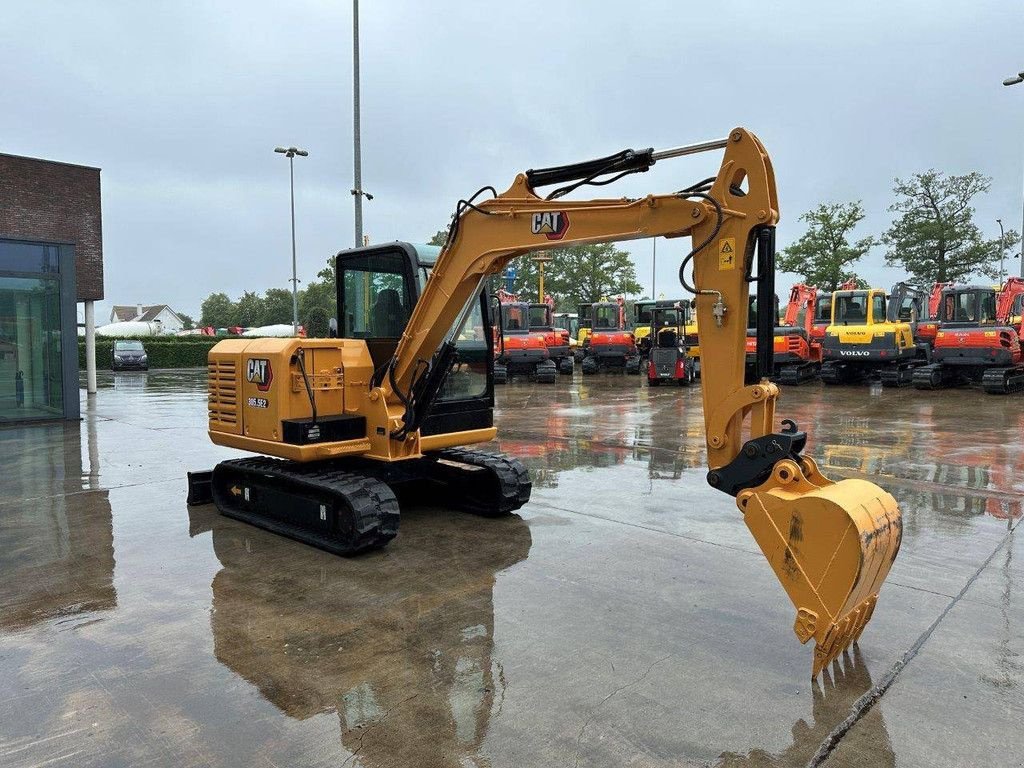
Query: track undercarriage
[896, 374]
[351, 506]
[995, 380]
[793, 374]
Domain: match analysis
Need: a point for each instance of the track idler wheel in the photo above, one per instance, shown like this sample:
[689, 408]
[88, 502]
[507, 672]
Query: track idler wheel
[831, 546]
[486, 484]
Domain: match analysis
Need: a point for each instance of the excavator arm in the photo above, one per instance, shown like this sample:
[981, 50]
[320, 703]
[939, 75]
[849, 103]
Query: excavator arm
[801, 296]
[1013, 288]
[831, 544]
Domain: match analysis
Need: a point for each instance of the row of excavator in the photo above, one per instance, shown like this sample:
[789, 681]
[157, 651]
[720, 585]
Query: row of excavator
[950, 335]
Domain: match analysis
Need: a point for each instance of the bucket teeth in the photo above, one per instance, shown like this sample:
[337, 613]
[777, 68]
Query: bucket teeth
[841, 635]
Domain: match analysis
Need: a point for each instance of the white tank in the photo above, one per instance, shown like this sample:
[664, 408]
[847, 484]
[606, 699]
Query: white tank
[129, 329]
[275, 331]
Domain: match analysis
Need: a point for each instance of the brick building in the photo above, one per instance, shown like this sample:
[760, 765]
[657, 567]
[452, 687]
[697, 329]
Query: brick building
[51, 257]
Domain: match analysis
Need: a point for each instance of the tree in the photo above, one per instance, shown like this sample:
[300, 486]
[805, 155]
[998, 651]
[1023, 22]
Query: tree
[249, 310]
[823, 255]
[439, 238]
[316, 323]
[277, 307]
[578, 274]
[217, 310]
[318, 302]
[935, 238]
[187, 323]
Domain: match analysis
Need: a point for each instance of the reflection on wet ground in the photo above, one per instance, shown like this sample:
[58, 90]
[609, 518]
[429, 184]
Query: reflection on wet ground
[625, 617]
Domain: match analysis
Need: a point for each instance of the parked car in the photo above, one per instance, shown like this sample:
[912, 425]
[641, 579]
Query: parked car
[129, 355]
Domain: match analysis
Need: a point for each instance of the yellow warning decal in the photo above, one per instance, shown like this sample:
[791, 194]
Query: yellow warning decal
[727, 253]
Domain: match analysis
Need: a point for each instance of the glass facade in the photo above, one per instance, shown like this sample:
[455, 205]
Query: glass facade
[32, 358]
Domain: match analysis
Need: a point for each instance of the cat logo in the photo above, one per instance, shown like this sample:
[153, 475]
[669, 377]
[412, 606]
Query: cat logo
[551, 224]
[259, 372]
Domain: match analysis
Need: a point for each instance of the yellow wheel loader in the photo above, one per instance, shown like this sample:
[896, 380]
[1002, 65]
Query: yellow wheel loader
[390, 405]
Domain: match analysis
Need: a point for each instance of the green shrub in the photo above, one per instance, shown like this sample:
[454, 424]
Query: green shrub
[163, 351]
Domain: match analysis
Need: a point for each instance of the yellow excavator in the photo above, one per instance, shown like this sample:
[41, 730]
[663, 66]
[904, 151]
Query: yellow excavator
[392, 403]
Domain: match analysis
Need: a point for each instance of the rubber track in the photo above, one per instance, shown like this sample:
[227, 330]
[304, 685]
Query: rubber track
[1003, 381]
[897, 375]
[794, 375]
[370, 504]
[514, 484]
[832, 374]
[923, 377]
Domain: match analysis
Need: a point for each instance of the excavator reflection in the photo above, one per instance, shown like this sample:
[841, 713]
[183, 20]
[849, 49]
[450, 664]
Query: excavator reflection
[411, 637]
[561, 451]
[832, 704]
[671, 441]
[950, 492]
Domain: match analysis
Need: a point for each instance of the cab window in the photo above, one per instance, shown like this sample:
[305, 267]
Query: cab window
[878, 308]
[539, 317]
[584, 318]
[987, 309]
[823, 309]
[960, 308]
[514, 317]
[606, 316]
[643, 314]
[375, 299]
[468, 377]
[851, 308]
[906, 312]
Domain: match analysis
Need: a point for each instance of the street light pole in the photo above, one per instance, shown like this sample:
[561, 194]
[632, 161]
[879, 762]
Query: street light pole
[1002, 252]
[290, 153]
[1017, 81]
[357, 153]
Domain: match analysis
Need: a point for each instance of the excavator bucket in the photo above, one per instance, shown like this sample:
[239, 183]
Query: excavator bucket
[831, 546]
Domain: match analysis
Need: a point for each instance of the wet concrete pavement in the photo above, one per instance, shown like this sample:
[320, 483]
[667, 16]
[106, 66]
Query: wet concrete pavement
[625, 617]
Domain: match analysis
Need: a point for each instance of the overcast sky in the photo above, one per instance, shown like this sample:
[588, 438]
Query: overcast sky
[181, 105]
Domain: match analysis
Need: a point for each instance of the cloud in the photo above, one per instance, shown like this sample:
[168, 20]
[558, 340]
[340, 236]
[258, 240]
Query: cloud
[182, 104]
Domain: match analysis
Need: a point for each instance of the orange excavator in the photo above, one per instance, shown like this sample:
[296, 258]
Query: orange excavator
[556, 338]
[610, 343]
[522, 350]
[977, 340]
[928, 323]
[338, 424]
[797, 352]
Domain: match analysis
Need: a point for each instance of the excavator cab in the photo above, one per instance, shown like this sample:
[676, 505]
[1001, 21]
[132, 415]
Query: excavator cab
[377, 287]
[1017, 310]
[863, 340]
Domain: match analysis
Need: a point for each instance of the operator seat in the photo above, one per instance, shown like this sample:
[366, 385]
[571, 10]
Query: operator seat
[388, 314]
